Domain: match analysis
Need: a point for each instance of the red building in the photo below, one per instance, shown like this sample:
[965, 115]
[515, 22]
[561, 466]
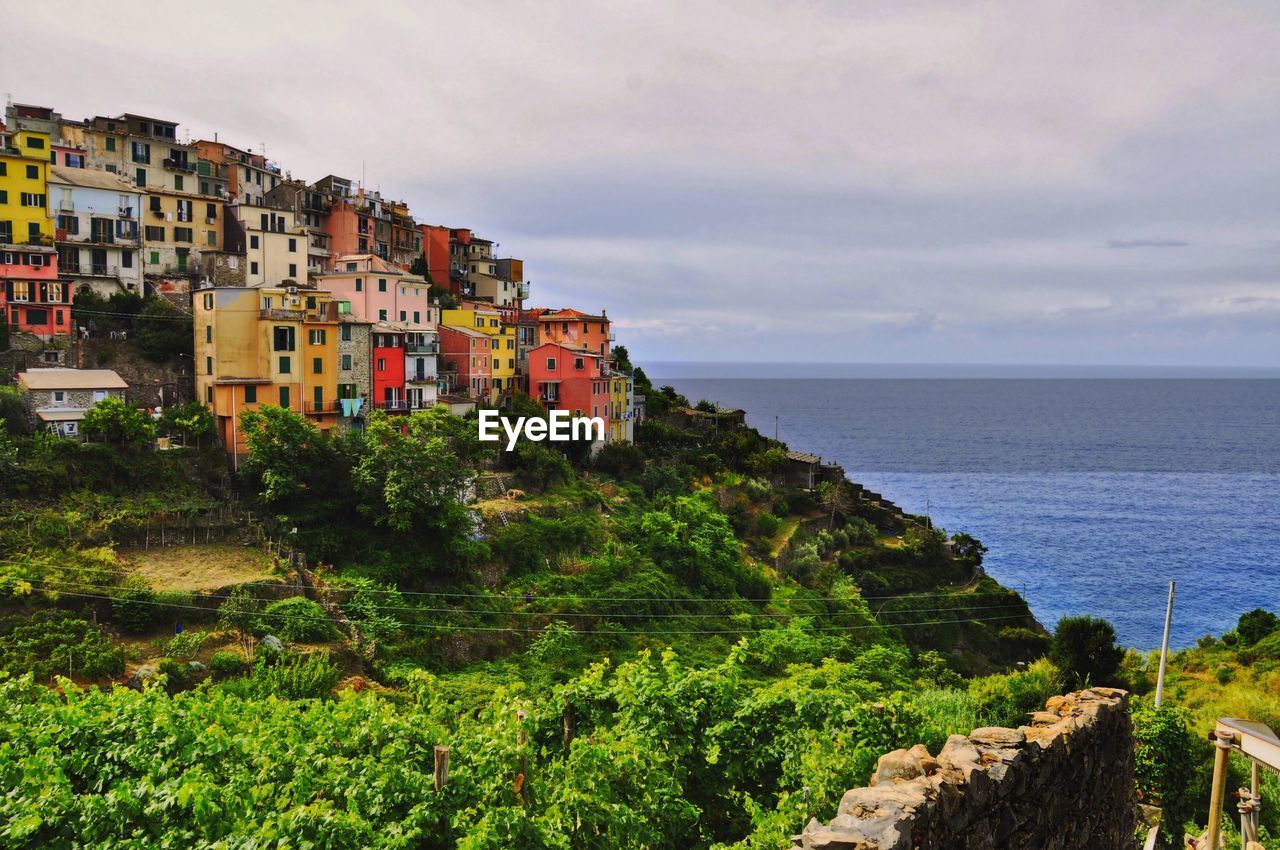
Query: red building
[465, 360]
[435, 251]
[575, 328]
[564, 377]
[34, 300]
[388, 369]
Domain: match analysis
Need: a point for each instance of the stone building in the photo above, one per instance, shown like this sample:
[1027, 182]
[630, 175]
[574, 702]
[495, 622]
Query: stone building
[57, 399]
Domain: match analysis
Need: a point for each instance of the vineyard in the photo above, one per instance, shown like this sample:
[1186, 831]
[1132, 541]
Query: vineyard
[398, 639]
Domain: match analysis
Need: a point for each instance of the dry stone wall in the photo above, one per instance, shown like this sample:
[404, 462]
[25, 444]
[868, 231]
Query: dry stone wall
[1063, 782]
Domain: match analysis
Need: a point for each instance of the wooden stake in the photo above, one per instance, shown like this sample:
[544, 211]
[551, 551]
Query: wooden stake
[441, 767]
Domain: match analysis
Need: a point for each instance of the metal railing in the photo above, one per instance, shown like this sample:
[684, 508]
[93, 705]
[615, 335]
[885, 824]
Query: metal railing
[322, 407]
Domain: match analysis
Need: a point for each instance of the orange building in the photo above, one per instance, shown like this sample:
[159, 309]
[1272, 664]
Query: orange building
[576, 329]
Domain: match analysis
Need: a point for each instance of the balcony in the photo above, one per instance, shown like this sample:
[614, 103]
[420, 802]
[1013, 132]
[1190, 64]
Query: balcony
[179, 165]
[280, 314]
[422, 347]
[322, 407]
[399, 405]
[421, 377]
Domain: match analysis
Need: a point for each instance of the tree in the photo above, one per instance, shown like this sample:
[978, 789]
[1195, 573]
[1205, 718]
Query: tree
[13, 412]
[540, 466]
[968, 547]
[621, 357]
[164, 331]
[282, 446]
[113, 421]
[239, 613]
[1255, 625]
[1085, 650]
[835, 499]
[192, 421]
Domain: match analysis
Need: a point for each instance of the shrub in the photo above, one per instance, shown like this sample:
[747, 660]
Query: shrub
[224, 664]
[1085, 650]
[185, 645]
[1255, 625]
[1006, 699]
[1165, 760]
[133, 606]
[767, 524]
[113, 421]
[296, 677]
[54, 643]
[296, 619]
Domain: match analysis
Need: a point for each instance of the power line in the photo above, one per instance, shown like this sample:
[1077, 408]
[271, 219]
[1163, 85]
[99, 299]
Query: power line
[586, 614]
[511, 629]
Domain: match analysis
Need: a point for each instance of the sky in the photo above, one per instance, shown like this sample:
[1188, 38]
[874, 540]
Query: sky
[953, 182]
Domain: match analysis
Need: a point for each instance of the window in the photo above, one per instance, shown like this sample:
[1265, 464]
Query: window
[284, 396]
[37, 317]
[250, 395]
[4, 196]
[140, 177]
[208, 394]
[283, 339]
[345, 333]
[33, 172]
[253, 267]
[126, 259]
[182, 234]
[317, 365]
[417, 317]
[551, 364]
[155, 255]
[213, 238]
[32, 199]
[382, 364]
[33, 232]
[208, 333]
[346, 361]
[293, 245]
[111, 143]
[208, 365]
[286, 365]
[69, 223]
[403, 315]
[382, 315]
[155, 234]
[155, 203]
[142, 152]
[253, 241]
[382, 282]
[316, 336]
[177, 182]
[293, 270]
[21, 290]
[4, 169]
[211, 210]
[184, 211]
[208, 301]
[59, 396]
[579, 363]
[318, 395]
[359, 284]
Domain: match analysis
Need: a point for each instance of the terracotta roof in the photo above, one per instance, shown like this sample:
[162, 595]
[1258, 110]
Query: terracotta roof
[71, 379]
[570, 313]
[471, 332]
[576, 349]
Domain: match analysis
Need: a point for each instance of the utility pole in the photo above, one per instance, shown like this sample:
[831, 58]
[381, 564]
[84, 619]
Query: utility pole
[1164, 647]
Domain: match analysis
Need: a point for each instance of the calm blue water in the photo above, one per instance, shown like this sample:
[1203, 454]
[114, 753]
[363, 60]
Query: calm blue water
[1090, 493]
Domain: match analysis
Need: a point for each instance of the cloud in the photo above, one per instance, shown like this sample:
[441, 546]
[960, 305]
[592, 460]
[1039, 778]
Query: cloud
[936, 181]
[1126, 244]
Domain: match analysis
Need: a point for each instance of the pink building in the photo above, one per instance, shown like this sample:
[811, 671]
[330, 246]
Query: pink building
[465, 358]
[572, 378]
[34, 300]
[380, 292]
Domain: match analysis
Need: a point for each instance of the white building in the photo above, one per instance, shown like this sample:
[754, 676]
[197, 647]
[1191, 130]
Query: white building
[98, 218]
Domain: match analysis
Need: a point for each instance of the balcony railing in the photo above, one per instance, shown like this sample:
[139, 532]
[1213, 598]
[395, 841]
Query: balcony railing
[422, 377]
[422, 347]
[281, 314]
[322, 407]
[179, 165]
[395, 406]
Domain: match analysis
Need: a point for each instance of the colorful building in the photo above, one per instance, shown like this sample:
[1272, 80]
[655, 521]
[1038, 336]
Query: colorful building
[176, 227]
[572, 378]
[250, 176]
[435, 252]
[269, 345]
[388, 368]
[421, 367]
[502, 347]
[25, 217]
[379, 291]
[575, 328]
[98, 230]
[621, 408]
[355, 364]
[271, 242]
[34, 298]
[466, 362]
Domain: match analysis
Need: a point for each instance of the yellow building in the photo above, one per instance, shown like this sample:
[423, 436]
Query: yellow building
[503, 374]
[24, 195]
[266, 345]
[621, 408]
[176, 227]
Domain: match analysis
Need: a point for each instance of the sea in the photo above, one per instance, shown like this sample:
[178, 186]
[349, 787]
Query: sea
[1091, 488]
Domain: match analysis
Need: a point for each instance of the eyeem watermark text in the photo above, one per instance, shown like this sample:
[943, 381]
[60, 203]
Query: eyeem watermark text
[560, 426]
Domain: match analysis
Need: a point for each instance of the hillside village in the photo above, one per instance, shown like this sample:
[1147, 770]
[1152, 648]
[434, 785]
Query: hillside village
[324, 297]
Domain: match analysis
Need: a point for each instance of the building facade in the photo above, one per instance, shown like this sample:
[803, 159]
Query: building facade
[25, 217]
[34, 298]
[98, 230]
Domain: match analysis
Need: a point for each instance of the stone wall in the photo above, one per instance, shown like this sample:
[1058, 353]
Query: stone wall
[1062, 783]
